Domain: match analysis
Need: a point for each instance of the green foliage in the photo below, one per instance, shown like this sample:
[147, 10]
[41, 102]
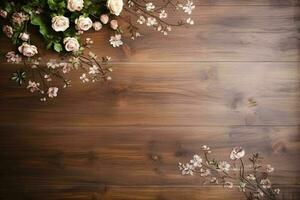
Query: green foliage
[57, 47]
[52, 38]
[7, 6]
[57, 5]
[42, 24]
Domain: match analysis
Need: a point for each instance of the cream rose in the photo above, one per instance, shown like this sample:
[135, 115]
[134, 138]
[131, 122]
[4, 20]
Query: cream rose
[115, 6]
[97, 26]
[60, 23]
[24, 36]
[83, 23]
[114, 24]
[104, 18]
[71, 44]
[27, 49]
[75, 5]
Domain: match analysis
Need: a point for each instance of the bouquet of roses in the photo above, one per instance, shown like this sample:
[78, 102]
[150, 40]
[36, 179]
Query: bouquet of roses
[61, 23]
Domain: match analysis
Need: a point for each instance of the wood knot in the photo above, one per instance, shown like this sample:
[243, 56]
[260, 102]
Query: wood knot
[279, 147]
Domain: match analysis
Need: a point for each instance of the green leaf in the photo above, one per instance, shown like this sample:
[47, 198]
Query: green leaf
[38, 21]
[57, 47]
[57, 5]
[19, 76]
[52, 4]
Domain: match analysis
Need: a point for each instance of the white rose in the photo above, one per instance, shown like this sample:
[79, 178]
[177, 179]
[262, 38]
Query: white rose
[71, 44]
[75, 5]
[27, 49]
[60, 23]
[97, 26]
[24, 36]
[83, 23]
[115, 6]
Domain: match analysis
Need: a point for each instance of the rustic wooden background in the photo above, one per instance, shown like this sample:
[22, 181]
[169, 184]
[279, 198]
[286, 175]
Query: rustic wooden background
[168, 96]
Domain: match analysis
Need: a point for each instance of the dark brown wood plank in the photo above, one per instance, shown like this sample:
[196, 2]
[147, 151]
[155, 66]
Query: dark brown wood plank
[193, 94]
[229, 33]
[46, 158]
[108, 192]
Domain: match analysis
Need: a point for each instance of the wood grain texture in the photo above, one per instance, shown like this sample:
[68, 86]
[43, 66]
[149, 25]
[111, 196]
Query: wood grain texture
[123, 140]
[191, 94]
[61, 159]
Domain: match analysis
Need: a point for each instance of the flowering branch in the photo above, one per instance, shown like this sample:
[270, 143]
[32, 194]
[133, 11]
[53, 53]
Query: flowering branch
[255, 186]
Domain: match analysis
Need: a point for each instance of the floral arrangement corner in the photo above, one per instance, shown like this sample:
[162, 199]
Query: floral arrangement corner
[61, 23]
[251, 179]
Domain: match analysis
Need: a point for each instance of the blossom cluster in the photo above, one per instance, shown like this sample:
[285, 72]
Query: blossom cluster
[62, 23]
[253, 182]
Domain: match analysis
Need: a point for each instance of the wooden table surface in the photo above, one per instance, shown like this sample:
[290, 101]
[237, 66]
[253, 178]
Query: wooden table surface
[169, 95]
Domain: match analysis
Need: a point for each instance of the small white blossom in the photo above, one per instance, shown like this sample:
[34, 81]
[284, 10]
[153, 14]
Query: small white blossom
[186, 169]
[251, 177]
[151, 21]
[130, 4]
[84, 78]
[277, 191]
[52, 92]
[8, 31]
[205, 172]
[237, 153]
[67, 68]
[150, 7]
[52, 64]
[196, 161]
[190, 21]
[270, 169]
[188, 7]
[33, 86]
[141, 20]
[115, 40]
[228, 184]
[163, 14]
[242, 187]
[214, 180]
[260, 193]
[206, 148]
[12, 57]
[94, 69]
[266, 183]
[19, 17]
[47, 77]
[224, 166]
